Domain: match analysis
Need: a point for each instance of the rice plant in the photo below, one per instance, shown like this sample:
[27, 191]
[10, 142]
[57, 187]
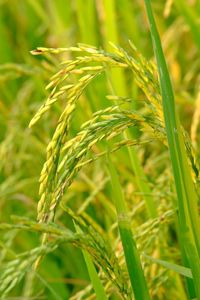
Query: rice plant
[99, 171]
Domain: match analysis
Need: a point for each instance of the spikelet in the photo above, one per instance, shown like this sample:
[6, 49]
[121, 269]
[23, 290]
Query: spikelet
[100, 250]
[52, 180]
[48, 174]
[66, 157]
[13, 271]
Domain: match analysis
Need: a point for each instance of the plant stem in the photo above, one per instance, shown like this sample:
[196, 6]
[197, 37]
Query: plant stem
[132, 257]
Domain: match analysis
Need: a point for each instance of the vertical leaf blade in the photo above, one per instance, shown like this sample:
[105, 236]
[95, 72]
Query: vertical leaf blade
[186, 193]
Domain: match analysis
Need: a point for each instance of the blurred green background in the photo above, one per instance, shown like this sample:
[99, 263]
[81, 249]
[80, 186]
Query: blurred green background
[27, 24]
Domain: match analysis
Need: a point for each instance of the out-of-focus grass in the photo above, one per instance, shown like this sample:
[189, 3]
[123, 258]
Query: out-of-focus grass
[25, 25]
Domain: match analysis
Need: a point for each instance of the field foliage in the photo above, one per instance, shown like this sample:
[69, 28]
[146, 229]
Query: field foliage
[99, 149]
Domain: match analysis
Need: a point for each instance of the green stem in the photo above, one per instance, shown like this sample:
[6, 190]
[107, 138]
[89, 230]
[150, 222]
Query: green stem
[132, 257]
